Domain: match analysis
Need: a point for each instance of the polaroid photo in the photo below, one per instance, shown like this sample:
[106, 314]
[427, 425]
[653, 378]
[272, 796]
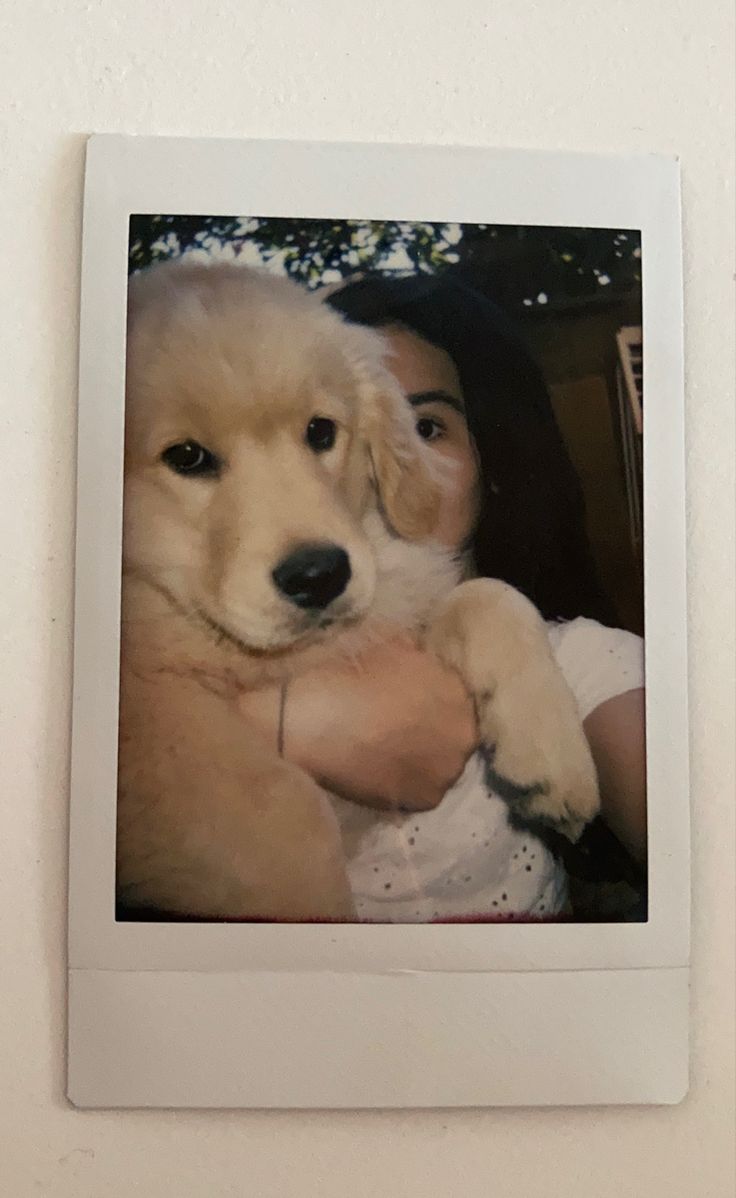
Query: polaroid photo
[379, 762]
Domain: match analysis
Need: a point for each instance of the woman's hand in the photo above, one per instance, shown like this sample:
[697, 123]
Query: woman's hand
[392, 731]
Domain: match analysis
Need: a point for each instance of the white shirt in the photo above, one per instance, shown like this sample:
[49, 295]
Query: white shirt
[463, 859]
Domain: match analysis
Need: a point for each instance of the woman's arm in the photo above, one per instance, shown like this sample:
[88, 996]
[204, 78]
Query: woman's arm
[616, 734]
[396, 731]
[393, 731]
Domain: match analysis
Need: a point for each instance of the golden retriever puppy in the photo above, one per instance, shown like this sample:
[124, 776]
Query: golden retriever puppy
[279, 507]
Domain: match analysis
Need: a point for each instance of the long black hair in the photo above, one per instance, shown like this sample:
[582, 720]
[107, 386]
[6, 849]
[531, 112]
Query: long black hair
[531, 526]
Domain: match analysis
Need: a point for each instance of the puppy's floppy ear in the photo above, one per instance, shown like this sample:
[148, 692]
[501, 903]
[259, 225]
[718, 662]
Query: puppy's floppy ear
[402, 473]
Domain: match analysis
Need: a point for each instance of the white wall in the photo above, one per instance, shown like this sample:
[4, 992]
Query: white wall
[582, 76]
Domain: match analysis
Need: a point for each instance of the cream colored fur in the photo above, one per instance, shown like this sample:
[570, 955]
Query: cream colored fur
[210, 820]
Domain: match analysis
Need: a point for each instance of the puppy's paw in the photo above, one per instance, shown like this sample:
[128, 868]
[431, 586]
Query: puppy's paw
[565, 806]
[537, 757]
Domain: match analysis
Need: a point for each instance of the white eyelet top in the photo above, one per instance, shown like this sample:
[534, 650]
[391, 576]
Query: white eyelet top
[463, 859]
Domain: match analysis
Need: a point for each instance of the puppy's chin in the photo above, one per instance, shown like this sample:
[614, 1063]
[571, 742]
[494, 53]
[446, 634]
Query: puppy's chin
[261, 639]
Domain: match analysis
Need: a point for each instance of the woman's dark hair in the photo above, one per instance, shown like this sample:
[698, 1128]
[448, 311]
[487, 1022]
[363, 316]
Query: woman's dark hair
[531, 527]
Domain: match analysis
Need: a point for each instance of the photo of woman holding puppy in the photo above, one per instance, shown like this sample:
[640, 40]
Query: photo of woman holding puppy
[439, 818]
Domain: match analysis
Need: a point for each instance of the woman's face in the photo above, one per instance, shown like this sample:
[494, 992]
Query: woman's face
[430, 381]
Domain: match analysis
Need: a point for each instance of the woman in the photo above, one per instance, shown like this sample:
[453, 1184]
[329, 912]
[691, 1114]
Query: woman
[401, 731]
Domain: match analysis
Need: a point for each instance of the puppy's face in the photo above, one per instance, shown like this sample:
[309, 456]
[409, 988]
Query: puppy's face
[256, 420]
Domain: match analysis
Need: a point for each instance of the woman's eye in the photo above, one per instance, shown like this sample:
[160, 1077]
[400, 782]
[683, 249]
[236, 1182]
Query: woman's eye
[192, 459]
[429, 428]
[321, 433]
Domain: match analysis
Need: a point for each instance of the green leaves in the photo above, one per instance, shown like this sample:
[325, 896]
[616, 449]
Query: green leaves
[523, 267]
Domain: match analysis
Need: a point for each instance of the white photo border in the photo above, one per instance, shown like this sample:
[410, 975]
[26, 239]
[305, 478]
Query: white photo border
[126, 176]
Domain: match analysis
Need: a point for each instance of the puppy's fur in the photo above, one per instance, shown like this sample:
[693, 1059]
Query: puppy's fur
[210, 820]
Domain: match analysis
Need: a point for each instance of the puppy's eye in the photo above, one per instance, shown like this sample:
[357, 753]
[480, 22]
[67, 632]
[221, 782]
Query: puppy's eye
[192, 459]
[321, 433]
[429, 428]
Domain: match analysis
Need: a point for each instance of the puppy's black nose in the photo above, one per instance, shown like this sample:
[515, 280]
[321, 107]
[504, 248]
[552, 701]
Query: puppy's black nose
[313, 575]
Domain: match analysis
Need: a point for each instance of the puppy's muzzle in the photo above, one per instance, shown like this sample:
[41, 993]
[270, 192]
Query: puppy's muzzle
[313, 575]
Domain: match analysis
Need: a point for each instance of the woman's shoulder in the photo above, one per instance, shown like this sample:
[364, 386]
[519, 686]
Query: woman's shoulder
[598, 662]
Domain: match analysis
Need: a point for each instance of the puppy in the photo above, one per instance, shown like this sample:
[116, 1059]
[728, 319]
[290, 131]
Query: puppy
[278, 509]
